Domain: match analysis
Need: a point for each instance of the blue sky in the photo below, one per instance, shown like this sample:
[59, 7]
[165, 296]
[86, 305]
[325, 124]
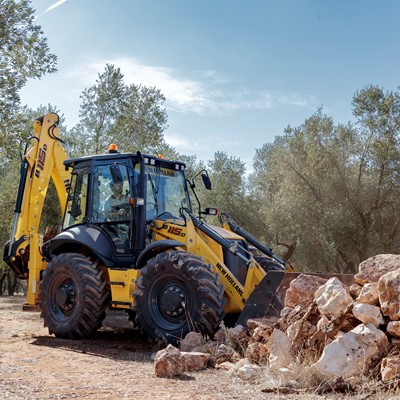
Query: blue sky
[235, 73]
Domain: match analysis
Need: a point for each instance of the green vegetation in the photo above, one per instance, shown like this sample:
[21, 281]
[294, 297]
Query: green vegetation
[324, 196]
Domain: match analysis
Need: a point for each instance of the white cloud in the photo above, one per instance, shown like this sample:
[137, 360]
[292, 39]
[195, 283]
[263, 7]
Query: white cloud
[204, 92]
[181, 143]
[55, 5]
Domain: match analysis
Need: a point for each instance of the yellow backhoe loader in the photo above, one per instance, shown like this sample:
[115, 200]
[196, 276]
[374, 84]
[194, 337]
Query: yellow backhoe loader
[130, 240]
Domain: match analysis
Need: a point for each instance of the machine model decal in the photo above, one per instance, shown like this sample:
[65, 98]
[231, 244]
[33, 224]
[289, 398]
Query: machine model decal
[176, 231]
[41, 160]
[230, 279]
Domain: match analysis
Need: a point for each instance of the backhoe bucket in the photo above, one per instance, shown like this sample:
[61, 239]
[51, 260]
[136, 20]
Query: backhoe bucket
[268, 298]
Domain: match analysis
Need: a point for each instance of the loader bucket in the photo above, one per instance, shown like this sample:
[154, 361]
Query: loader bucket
[268, 298]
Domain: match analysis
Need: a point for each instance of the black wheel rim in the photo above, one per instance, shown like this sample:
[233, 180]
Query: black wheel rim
[170, 303]
[63, 298]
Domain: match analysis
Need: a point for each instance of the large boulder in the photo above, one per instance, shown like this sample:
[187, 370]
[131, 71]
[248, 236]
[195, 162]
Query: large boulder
[374, 267]
[352, 354]
[368, 314]
[389, 294]
[333, 298]
[301, 290]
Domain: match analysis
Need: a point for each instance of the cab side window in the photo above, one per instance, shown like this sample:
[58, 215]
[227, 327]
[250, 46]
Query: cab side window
[77, 199]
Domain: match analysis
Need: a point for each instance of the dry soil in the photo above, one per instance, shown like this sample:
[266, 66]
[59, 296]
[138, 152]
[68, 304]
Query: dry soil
[116, 363]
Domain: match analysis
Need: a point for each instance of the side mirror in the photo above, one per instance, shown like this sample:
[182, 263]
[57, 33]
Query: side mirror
[206, 181]
[211, 211]
[115, 173]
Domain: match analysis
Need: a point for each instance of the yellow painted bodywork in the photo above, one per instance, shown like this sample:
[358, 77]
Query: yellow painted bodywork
[198, 243]
[45, 158]
[122, 284]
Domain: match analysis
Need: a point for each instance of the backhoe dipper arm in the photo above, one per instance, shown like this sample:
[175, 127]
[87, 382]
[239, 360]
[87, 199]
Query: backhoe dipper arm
[44, 158]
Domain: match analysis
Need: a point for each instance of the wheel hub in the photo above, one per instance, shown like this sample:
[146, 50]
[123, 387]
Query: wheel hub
[173, 301]
[65, 296]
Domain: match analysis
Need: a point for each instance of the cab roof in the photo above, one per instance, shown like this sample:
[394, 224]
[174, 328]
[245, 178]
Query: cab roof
[147, 158]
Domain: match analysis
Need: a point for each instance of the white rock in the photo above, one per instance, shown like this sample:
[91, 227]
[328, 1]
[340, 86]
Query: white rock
[368, 314]
[241, 363]
[322, 322]
[393, 327]
[249, 372]
[279, 350]
[351, 354]
[332, 298]
[369, 294]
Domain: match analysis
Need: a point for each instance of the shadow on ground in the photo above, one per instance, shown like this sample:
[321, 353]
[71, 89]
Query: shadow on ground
[117, 339]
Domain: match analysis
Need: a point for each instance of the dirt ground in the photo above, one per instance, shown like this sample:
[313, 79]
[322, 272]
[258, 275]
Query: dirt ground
[114, 364]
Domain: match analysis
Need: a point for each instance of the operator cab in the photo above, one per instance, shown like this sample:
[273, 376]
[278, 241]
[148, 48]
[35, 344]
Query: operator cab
[105, 194]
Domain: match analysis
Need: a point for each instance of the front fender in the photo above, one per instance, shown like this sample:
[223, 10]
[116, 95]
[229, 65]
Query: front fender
[155, 248]
[78, 236]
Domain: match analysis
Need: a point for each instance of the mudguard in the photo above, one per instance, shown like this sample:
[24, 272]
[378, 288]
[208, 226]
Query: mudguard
[155, 248]
[89, 236]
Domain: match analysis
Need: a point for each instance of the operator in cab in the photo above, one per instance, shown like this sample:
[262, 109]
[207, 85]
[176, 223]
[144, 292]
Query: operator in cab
[116, 206]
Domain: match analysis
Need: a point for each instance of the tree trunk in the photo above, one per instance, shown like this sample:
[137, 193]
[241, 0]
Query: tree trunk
[12, 284]
[3, 275]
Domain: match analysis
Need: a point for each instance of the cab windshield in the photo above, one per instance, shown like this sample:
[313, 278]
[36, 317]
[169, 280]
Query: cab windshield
[166, 193]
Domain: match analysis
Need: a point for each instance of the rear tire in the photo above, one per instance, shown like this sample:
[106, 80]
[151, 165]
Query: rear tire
[177, 293]
[73, 296]
[268, 264]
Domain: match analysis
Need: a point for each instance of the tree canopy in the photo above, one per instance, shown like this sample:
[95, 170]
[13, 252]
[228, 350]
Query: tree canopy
[112, 111]
[326, 195]
[24, 53]
[331, 191]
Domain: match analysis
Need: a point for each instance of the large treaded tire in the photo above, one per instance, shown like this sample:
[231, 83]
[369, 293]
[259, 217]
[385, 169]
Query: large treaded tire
[73, 296]
[268, 264]
[176, 293]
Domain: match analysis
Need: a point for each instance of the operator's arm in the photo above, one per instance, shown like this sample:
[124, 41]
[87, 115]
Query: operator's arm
[114, 209]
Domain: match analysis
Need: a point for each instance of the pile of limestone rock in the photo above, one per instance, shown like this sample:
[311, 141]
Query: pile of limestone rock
[327, 328]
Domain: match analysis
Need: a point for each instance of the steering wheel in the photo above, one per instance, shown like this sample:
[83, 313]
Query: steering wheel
[122, 206]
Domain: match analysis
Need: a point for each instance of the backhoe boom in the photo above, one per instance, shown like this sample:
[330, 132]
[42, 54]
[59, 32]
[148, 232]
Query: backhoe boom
[43, 158]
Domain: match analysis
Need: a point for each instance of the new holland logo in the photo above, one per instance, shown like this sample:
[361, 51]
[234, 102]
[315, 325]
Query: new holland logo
[230, 279]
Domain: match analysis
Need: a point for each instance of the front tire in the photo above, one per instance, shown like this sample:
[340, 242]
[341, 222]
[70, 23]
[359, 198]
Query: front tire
[177, 293]
[73, 296]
